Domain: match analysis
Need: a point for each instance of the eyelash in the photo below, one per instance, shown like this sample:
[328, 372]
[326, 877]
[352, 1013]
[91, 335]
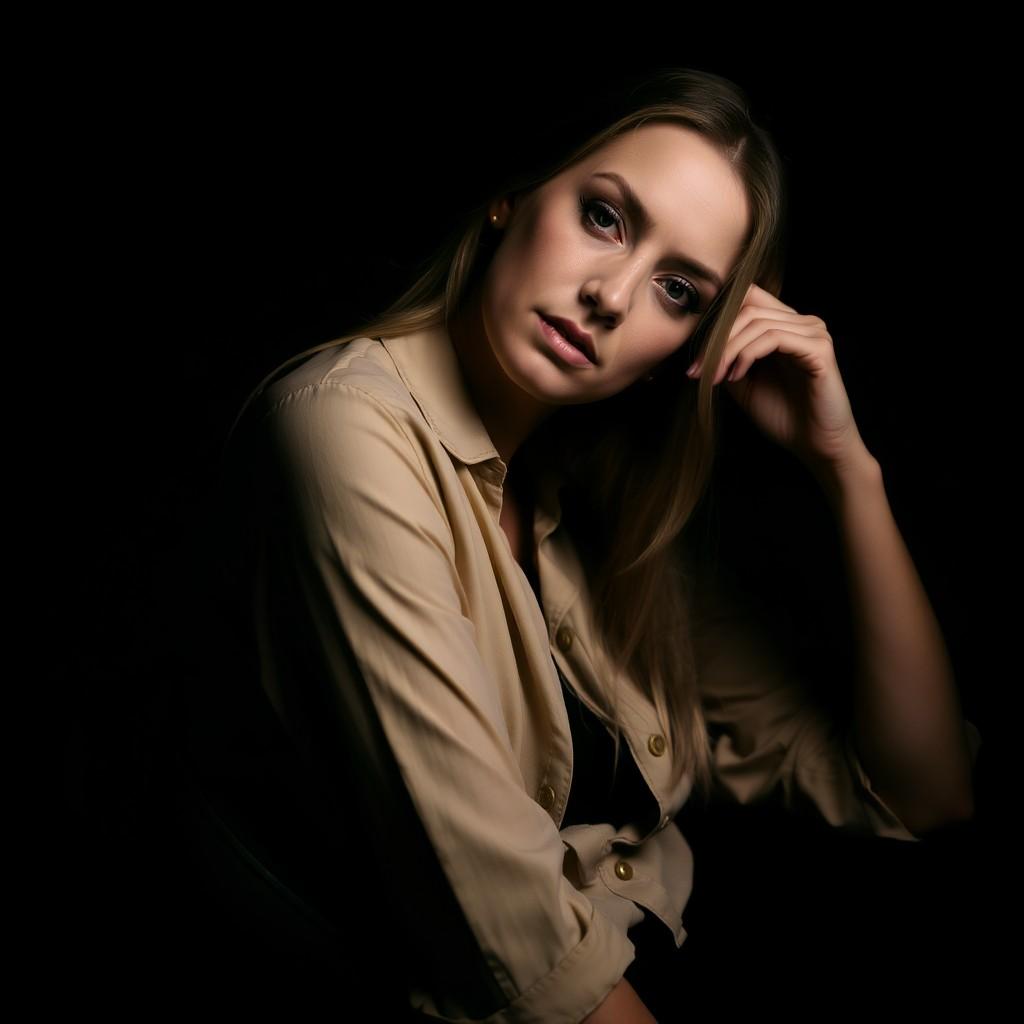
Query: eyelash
[587, 204]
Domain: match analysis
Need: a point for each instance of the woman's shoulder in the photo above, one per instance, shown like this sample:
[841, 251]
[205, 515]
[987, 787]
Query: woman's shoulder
[362, 363]
[334, 398]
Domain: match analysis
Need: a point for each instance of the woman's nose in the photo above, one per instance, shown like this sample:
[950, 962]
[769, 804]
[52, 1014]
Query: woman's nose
[612, 289]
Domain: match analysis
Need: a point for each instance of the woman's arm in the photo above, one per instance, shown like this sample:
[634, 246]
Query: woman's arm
[621, 1006]
[908, 725]
[909, 753]
[371, 658]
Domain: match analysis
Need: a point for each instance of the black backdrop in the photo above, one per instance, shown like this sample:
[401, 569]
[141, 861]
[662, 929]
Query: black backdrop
[230, 204]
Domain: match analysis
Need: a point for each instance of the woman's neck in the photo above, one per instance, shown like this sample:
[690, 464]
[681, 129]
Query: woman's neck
[509, 414]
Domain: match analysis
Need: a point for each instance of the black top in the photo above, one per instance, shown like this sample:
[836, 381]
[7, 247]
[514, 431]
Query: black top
[593, 796]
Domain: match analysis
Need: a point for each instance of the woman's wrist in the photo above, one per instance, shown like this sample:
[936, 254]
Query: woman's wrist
[848, 476]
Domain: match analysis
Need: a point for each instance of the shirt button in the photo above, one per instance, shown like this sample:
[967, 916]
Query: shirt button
[624, 870]
[546, 797]
[656, 744]
[564, 638]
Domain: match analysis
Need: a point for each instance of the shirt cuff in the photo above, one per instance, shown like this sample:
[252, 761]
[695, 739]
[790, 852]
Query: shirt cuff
[883, 819]
[574, 988]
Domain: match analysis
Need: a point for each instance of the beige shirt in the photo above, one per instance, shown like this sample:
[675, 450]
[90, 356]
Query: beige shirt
[414, 599]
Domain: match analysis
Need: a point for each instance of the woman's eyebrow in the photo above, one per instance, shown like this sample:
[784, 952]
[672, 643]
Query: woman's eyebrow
[639, 212]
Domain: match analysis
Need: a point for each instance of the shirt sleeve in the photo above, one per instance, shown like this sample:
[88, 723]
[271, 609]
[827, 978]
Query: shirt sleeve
[370, 547]
[771, 735]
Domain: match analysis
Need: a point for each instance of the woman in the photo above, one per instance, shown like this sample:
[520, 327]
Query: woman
[468, 542]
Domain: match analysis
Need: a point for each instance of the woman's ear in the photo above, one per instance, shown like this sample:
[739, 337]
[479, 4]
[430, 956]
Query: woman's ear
[500, 210]
[510, 202]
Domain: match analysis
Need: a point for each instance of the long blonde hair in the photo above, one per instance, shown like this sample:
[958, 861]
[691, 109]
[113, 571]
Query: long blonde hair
[637, 465]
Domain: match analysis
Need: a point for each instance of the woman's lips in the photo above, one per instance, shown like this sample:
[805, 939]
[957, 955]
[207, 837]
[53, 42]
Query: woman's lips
[561, 346]
[575, 335]
[560, 343]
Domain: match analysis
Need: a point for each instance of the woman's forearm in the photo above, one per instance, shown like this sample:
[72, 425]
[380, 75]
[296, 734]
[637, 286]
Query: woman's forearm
[908, 724]
[621, 1006]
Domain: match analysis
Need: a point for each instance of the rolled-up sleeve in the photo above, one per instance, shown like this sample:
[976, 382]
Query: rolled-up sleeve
[771, 735]
[366, 537]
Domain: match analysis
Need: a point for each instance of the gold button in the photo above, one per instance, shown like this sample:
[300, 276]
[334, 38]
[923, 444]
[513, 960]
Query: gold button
[656, 744]
[546, 797]
[564, 638]
[624, 869]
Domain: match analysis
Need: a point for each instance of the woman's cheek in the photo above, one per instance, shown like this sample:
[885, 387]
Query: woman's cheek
[553, 240]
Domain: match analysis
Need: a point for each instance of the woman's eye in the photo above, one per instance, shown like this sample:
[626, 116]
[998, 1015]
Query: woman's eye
[593, 209]
[688, 289]
[601, 208]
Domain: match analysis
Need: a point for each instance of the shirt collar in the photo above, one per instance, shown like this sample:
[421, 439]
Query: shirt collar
[429, 365]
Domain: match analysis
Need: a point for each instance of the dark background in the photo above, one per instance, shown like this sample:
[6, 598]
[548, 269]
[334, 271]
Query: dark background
[232, 203]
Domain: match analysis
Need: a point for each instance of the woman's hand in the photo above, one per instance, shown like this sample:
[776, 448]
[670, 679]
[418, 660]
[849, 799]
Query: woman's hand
[799, 400]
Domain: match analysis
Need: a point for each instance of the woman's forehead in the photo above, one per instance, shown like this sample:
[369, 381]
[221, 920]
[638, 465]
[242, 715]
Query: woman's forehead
[669, 155]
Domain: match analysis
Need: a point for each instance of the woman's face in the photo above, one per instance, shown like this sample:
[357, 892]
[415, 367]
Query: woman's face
[575, 249]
